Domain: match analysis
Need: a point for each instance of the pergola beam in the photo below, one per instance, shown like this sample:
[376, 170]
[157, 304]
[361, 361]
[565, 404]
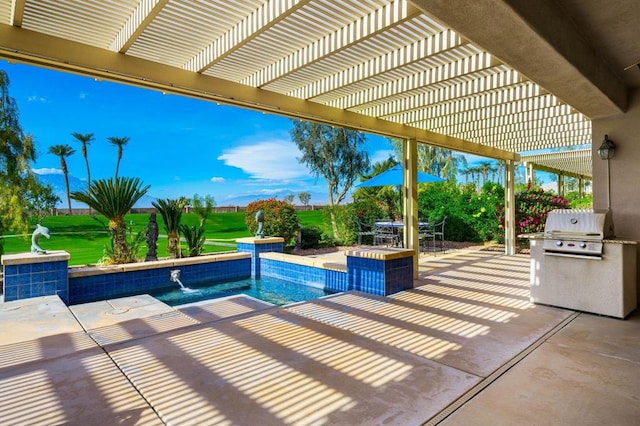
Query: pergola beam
[39, 49]
[363, 28]
[538, 36]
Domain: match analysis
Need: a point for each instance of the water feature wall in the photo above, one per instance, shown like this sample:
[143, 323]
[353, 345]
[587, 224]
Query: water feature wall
[381, 271]
[107, 282]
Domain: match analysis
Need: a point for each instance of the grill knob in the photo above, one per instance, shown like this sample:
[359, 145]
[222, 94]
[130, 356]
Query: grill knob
[582, 245]
[559, 243]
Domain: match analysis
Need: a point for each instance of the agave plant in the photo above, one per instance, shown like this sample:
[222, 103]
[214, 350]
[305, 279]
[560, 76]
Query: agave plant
[195, 238]
[114, 198]
[171, 211]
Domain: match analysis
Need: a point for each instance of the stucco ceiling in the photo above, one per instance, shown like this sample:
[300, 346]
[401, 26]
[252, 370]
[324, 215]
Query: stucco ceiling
[490, 77]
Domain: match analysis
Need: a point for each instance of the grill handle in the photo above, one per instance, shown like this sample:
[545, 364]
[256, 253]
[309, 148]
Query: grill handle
[575, 256]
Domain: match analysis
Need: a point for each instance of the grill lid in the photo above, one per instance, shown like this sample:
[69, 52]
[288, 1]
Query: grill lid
[579, 224]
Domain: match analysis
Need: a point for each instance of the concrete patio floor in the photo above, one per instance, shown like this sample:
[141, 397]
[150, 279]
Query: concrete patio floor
[465, 348]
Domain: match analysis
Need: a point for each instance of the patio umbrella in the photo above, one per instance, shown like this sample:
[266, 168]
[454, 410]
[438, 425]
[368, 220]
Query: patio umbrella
[395, 176]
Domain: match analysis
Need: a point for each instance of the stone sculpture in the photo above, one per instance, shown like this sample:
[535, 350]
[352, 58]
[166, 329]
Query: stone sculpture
[35, 238]
[260, 220]
[152, 239]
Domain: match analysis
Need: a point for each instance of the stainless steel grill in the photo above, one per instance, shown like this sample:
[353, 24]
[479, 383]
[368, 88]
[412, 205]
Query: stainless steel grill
[563, 271]
[578, 233]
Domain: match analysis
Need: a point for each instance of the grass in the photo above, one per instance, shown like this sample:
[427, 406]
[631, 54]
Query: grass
[85, 237]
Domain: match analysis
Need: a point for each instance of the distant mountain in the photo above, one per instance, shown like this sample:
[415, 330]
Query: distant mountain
[317, 198]
[75, 184]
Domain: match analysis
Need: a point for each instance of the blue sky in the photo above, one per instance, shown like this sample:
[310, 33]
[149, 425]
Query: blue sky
[180, 146]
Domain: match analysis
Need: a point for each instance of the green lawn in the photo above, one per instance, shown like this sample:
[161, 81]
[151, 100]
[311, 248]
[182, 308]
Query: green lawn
[85, 237]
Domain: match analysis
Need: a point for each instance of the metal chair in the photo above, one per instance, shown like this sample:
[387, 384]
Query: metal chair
[384, 233]
[438, 234]
[364, 229]
[426, 236]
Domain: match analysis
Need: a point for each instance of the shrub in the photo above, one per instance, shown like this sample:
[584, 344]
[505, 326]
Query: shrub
[195, 238]
[171, 211]
[280, 219]
[532, 206]
[114, 198]
[310, 237]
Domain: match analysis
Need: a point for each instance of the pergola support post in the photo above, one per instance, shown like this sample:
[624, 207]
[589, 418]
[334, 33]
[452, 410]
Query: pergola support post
[530, 174]
[410, 200]
[561, 184]
[509, 209]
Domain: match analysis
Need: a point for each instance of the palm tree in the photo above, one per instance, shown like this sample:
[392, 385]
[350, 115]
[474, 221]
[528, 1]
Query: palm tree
[119, 142]
[85, 140]
[114, 198]
[63, 151]
[171, 211]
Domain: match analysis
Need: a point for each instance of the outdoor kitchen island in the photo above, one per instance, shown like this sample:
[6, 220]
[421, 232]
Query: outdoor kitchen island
[576, 264]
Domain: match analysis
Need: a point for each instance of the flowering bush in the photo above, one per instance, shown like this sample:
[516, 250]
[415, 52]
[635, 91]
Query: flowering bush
[532, 206]
[280, 219]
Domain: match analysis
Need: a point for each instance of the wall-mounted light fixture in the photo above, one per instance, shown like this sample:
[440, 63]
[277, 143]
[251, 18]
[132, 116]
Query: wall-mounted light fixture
[607, 149]
[606, 152]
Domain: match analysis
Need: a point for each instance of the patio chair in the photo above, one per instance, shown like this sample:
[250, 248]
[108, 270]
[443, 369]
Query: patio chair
[438, 234]
[385, 234]
[364, 230]
[426, 236]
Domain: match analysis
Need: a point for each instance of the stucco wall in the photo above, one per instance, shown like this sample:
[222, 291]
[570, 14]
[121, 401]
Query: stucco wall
[624, 130]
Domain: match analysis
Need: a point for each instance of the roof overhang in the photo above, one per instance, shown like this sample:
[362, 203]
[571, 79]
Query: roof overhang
[576, 163]
[394, 68]
[36, 49]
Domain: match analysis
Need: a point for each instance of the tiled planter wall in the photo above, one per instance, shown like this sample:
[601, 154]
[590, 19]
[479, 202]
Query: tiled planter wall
[381, 277]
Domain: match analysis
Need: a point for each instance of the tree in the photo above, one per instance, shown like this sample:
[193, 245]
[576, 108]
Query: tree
[119, 142]
[441, 162]
[40, 199]
[304, 198]
[85, 140]
[194, 235]
[64, 151]
[203, 206]
[114, 198]
[16, 153]
[334, 153]
[289, 198]
[171, 211]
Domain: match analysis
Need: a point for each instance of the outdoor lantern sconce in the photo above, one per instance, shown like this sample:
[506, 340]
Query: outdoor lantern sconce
[607, 149]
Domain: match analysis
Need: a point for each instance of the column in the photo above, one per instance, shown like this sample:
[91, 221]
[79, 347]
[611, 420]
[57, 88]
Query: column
[34, 275]
[255, 246]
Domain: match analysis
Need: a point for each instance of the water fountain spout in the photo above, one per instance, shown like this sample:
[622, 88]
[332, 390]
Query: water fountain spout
[174, 277]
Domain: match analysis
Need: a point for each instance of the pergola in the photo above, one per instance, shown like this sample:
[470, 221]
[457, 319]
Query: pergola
[577, 164]
[397, 68]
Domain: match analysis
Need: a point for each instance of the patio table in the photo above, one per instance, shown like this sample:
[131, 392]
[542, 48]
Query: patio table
[395, 227]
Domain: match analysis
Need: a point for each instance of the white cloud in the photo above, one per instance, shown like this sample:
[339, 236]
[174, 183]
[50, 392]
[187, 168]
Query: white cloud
[34, 98]
[381, 155]
[83, 96]
[217, 179]
[273, 159]
[47, 171]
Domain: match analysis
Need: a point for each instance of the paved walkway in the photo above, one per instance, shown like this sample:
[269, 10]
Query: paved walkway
[465, 348]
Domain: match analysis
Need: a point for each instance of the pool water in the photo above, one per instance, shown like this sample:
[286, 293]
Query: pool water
[272, 290]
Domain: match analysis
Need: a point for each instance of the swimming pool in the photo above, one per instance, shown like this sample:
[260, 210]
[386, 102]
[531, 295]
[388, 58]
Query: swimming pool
[268, 289]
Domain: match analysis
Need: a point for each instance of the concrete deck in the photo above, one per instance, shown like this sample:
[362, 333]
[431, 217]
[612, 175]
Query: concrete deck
[465, 348]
